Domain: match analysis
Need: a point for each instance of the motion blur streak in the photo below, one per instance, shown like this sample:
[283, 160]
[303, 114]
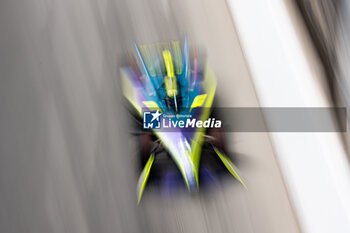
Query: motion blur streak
[315, 166]
[61, 149]
[66, 164]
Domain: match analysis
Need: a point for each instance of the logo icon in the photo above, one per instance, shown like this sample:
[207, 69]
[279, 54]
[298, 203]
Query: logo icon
[151, 120]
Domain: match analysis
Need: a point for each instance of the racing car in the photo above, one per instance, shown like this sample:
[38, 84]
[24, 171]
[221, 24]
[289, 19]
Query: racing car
[163, 81]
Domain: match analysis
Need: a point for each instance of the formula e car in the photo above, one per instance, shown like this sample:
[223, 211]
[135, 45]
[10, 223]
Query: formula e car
[166, 86]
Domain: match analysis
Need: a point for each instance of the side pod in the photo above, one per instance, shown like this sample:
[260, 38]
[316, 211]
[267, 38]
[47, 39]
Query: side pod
[141, 184]
[229, 165]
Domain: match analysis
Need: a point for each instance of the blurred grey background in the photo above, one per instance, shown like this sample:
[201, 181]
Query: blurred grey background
[67, 163]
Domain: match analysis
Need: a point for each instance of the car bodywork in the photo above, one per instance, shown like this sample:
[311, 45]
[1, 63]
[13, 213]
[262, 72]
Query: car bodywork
[163, 80]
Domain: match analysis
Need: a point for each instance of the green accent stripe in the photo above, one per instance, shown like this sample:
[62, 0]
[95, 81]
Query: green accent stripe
[209, 85]
[141, 184]
[230, 166]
